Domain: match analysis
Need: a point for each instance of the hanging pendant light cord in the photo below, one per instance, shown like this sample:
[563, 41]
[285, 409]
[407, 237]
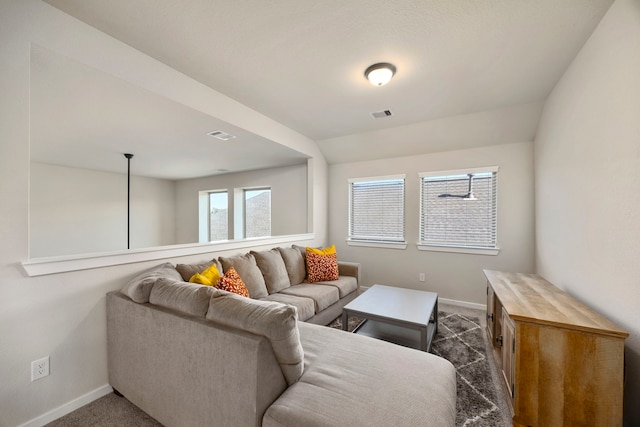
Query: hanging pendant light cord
[128, 156]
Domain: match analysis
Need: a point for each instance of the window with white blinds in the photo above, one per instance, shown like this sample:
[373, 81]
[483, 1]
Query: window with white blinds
[459, 209]
[376, 209]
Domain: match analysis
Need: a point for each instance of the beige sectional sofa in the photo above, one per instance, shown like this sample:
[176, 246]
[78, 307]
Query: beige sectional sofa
[192, 355]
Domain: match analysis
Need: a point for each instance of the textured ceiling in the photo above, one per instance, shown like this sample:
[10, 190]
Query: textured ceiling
[301, 62]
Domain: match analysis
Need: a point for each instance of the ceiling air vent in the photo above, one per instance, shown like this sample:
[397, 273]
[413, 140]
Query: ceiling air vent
[221, 135]
[381, 114]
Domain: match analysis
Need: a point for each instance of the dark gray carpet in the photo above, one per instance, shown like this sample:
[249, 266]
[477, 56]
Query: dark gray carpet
[460, 341]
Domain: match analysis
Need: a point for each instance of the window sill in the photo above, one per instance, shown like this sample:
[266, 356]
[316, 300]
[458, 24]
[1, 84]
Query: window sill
[459, 249]
[373, 244]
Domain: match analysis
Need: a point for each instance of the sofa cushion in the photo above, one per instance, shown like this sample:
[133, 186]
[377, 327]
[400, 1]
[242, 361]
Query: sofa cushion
[322, 264]
[232, 282]
[178, 295]
[345, 284]
[248, 270]
[323, 296]
[139, 288]
[294, 262]
[306, 306]
[275, 321]
[302, 250]
[188, 270]
[352, 380]
[273, 269]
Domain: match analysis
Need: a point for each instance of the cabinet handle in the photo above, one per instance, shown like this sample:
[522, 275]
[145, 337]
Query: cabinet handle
[490, 316]
[499, 340]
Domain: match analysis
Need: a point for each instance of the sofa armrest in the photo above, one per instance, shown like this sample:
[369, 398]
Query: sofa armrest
[349, 269]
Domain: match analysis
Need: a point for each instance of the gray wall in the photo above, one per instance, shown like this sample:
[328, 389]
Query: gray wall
[75, 211]
[587, 157]
[454, 276]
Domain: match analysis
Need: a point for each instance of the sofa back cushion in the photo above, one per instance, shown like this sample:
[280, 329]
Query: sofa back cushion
[275, 321]
[188, 298]
[139, 288]
[294, 263]
[273, 270]
[248, 270]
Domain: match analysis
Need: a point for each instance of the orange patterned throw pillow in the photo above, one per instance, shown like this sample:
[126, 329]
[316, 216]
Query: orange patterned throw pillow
[231, 282]
[322, 264]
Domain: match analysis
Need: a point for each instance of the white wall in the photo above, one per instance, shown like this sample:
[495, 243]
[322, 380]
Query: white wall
[454, 276]
[288, 198]
[63, 315]
[587, 157]
[75, 211]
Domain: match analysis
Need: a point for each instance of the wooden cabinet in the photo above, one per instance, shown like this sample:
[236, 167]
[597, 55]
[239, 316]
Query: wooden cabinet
[562, 364]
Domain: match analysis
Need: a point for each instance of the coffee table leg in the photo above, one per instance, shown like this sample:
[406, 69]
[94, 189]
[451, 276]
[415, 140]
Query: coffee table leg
[345, 320]
[435, 317]
[423, 338]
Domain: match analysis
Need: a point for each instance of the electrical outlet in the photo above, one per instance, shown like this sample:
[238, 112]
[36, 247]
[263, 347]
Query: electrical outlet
[40, 368]
[421, 277]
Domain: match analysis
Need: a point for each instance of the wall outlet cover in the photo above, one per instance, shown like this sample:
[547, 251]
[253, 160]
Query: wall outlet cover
[40, 368]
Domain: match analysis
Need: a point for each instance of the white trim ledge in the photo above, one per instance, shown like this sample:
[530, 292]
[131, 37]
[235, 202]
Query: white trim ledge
[459, 250]
[68, 407]
[63, 264]
[385, 245]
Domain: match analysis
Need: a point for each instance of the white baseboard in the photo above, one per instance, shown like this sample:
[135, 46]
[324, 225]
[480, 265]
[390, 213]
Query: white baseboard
[68, 407]
[465, 304]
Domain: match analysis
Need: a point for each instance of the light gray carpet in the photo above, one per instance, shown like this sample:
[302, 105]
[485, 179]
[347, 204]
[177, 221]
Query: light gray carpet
[108, 411]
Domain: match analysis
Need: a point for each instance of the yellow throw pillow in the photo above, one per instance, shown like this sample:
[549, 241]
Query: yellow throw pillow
[209, 277]
[322, 264]
[326, 251]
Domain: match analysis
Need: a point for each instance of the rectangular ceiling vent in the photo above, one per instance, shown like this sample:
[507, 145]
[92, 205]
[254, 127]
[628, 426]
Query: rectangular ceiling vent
[221, 135]
[381, 114]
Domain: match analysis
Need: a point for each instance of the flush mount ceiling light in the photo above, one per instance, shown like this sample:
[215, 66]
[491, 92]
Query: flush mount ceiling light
[379, 74]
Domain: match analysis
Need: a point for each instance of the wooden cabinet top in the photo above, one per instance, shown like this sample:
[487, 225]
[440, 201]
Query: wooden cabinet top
[530, 298]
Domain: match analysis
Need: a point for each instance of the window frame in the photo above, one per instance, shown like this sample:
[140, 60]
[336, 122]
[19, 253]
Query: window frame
[372, 242]
[209, 230]
[455, 248]
[246, 190]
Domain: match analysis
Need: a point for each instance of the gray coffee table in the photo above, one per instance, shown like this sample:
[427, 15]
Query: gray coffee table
[404, 316]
